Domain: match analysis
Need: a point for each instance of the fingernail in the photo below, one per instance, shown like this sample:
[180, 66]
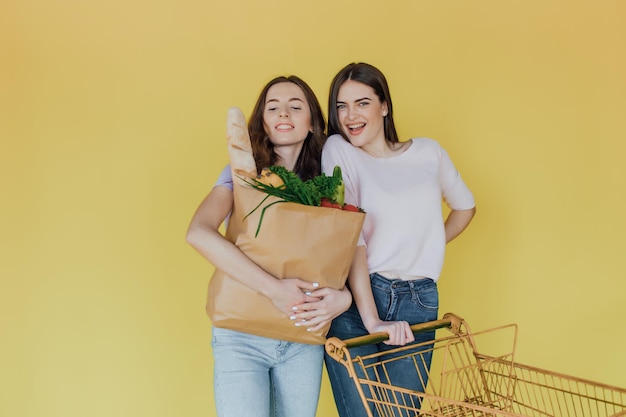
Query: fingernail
[309, 329]
[294, 308]
[292, 317]
[316, 284]
[297, 324]
[308, 292]
[303, 321]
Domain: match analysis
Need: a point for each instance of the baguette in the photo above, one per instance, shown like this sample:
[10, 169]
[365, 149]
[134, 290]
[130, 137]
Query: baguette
[242, 162]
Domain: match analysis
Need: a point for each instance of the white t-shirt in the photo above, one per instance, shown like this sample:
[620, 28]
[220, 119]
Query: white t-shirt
[402, 197]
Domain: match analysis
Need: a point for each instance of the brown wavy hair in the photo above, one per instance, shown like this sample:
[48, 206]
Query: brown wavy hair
[371, 76]
[309, 163]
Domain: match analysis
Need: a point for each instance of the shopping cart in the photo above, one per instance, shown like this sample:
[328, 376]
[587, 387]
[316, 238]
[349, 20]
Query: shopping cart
[465, 381]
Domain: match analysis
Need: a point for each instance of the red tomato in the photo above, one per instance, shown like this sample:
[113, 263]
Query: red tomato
[350, 207]
[327, 203]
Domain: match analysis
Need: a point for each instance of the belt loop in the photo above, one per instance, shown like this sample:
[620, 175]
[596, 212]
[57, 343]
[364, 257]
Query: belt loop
[414, 290]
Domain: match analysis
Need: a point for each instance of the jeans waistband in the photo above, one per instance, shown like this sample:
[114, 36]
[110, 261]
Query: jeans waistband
[400, 283]
[393, 275]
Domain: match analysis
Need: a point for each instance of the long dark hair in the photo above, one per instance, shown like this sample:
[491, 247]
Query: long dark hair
[370, 76]
[308, 164]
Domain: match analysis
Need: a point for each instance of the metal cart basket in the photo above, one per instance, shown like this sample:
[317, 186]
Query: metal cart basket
[465, 381]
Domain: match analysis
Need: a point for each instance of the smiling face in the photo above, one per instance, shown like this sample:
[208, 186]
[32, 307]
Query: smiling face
[286, 115]
[361, 114]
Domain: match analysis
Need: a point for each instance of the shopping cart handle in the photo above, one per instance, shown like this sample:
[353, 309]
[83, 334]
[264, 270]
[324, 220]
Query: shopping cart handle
[449, 320]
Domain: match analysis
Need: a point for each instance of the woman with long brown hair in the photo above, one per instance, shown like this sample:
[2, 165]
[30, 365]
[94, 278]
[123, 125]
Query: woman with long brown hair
[254, 375]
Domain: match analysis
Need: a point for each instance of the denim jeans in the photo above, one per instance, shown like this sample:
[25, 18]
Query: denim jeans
[413, 301]
[262, 377]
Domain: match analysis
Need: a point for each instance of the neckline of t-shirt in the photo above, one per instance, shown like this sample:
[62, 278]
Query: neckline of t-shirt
[387, 158]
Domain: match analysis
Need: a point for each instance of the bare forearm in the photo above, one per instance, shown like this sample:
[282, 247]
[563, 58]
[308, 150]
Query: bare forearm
[399, 332]
[228, 258]
[361, 289]
[457, 221]
[203, 234]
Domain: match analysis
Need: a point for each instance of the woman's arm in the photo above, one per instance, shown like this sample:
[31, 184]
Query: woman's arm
[329, 303]
[457, 221]
[203, 234]
[399, 332]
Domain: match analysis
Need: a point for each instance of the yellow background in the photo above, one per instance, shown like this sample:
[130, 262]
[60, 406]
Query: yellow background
[112, 125]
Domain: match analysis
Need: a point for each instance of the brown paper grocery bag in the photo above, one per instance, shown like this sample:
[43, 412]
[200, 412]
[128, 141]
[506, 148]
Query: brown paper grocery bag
[294, 241]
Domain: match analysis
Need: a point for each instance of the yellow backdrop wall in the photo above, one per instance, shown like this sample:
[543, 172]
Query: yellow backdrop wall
[112, 124]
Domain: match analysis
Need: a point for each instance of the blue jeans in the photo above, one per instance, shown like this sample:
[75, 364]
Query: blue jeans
[413, 301]
[262, 377]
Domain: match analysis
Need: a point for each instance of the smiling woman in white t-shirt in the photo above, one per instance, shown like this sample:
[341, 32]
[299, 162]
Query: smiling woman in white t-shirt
[400, 185]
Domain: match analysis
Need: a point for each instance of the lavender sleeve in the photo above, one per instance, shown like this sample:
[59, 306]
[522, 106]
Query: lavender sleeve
[225, 179]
